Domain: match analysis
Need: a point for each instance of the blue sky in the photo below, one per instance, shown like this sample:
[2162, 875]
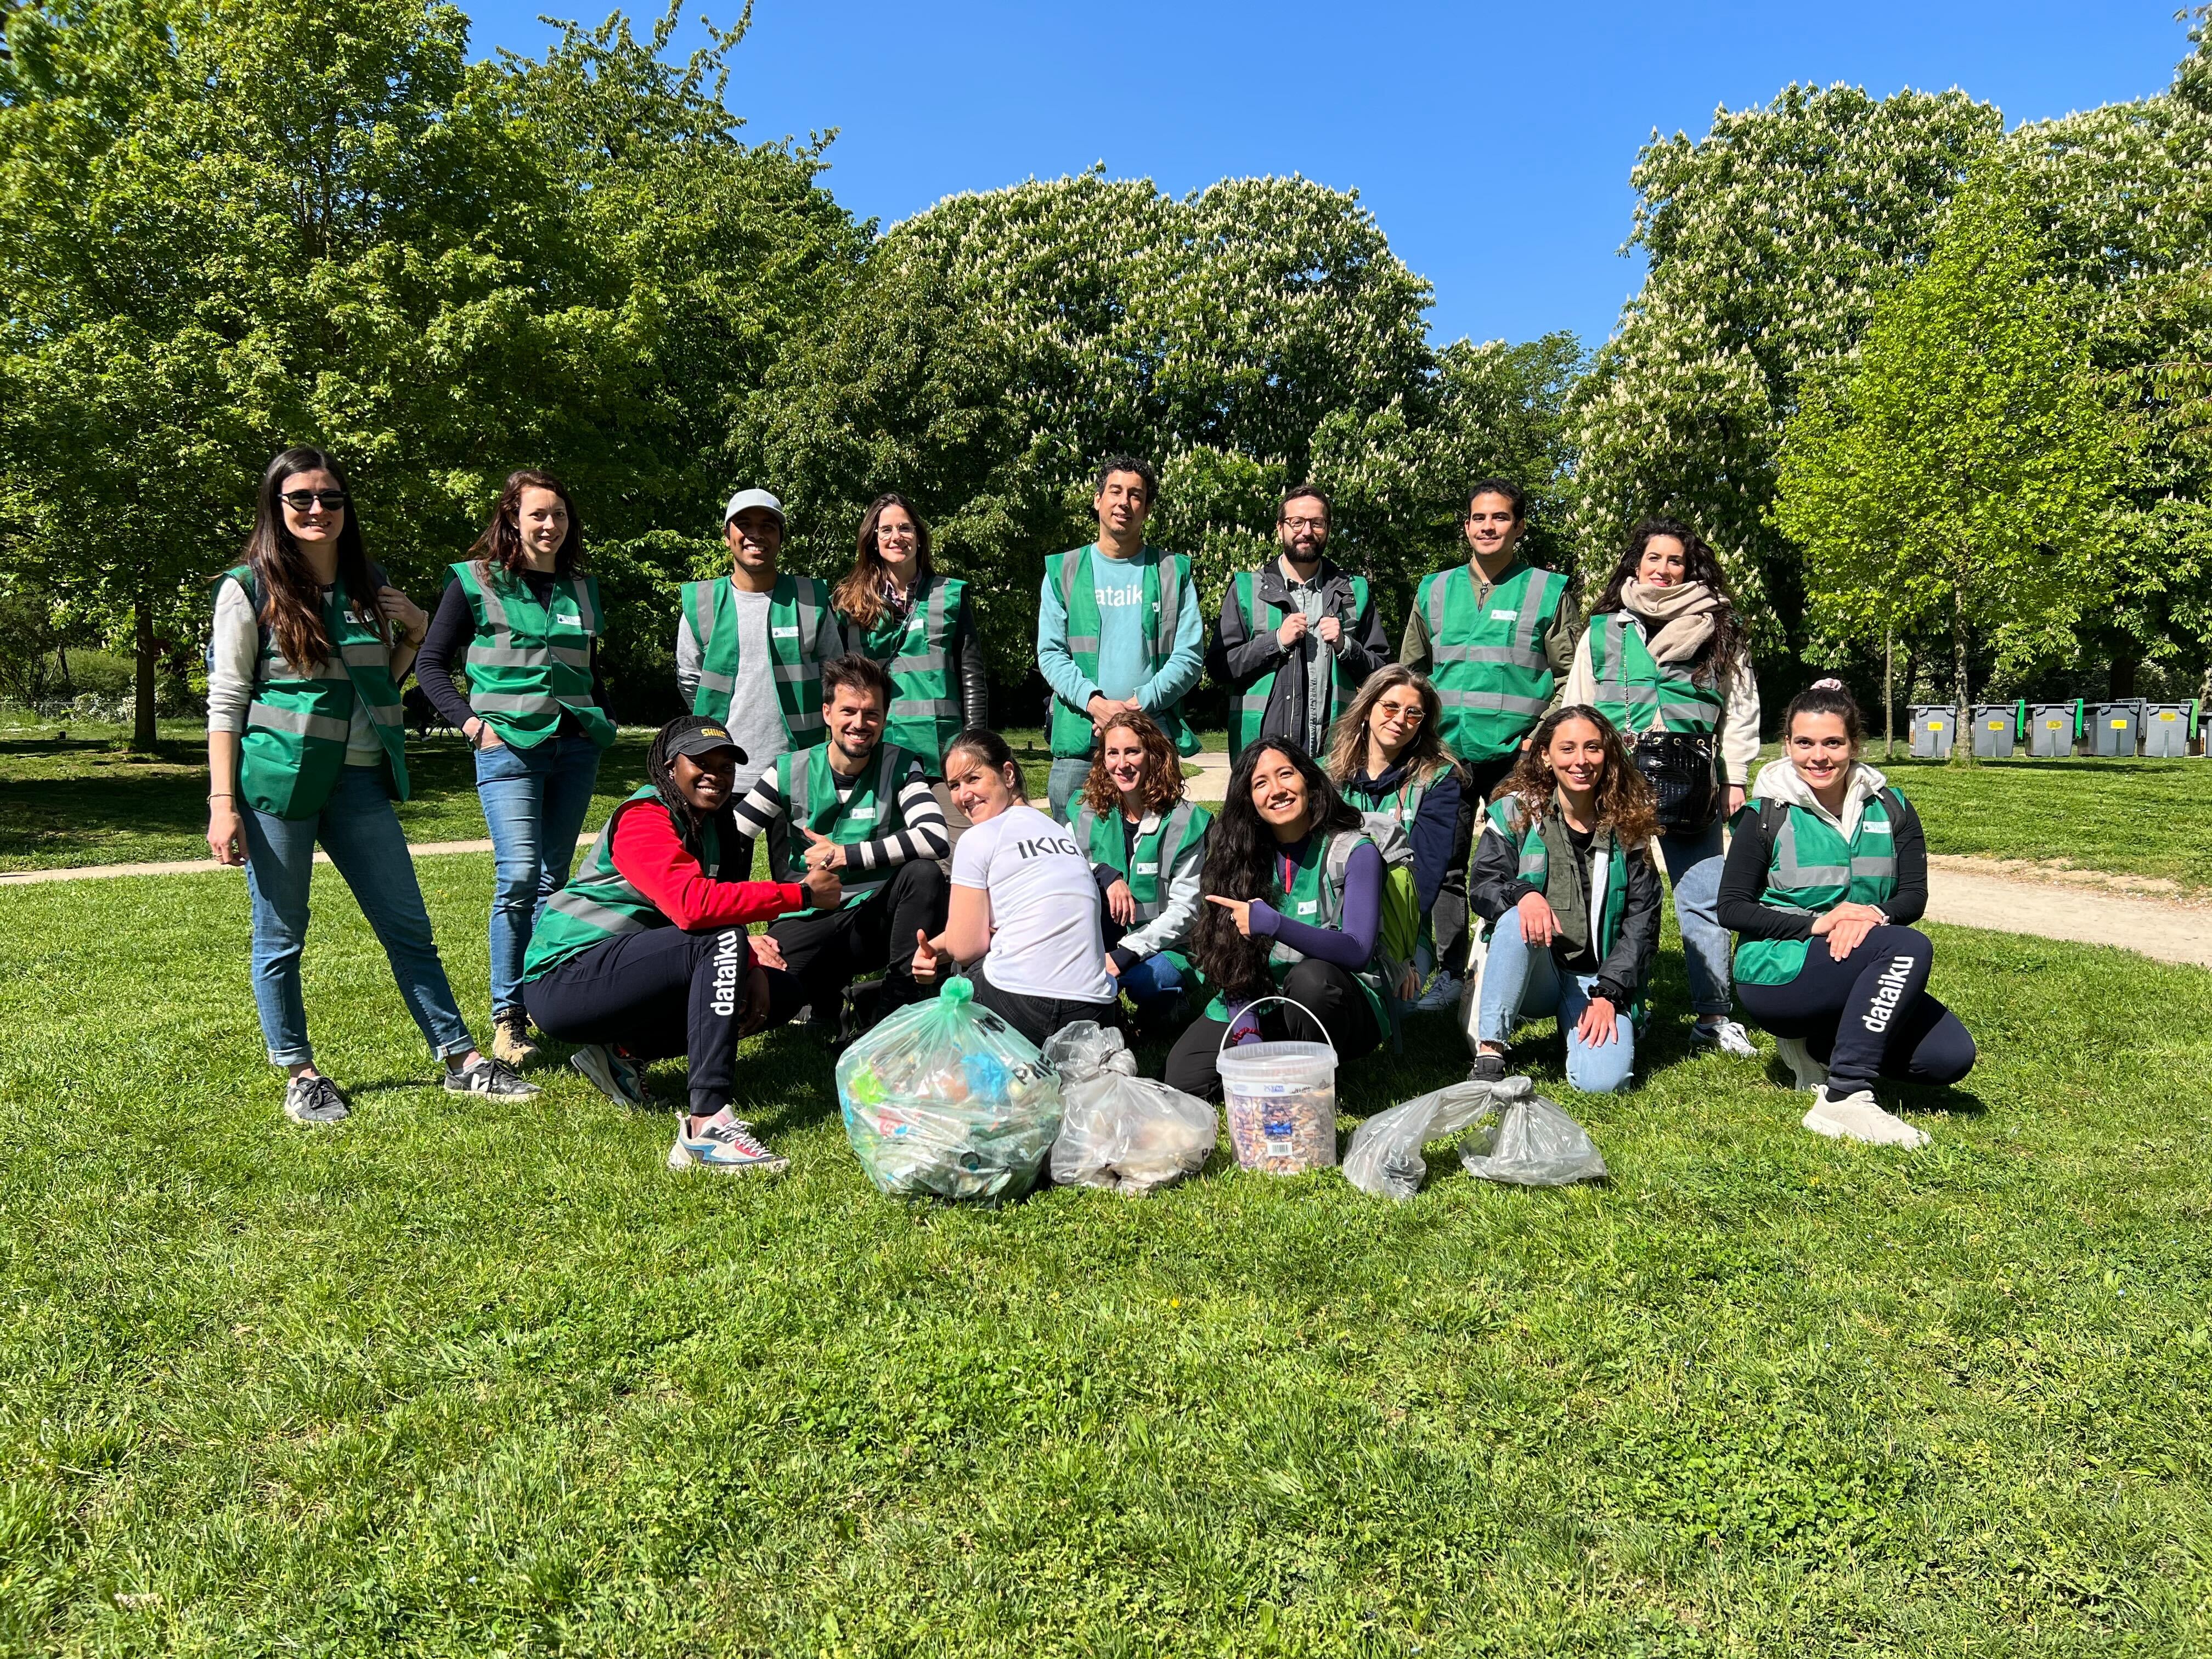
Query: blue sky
[1493, 143]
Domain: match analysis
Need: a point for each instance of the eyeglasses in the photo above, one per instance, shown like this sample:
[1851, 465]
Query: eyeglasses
[1295, 525]
[301, 500]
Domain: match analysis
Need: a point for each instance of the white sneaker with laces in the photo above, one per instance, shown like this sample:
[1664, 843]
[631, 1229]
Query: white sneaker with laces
[1857, 1116]
[611, 1074]
[1726, 1034]
[1809, 1073]
[725, 1143]
[1442, 995]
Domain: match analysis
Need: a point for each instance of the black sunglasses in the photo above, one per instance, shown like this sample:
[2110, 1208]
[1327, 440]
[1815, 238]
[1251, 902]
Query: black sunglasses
[301, 500]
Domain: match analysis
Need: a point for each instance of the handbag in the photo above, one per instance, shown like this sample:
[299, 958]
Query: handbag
[1679, 767]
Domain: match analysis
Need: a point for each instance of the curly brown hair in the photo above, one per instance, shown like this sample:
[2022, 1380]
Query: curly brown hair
[1625, 802]
[1162, 780]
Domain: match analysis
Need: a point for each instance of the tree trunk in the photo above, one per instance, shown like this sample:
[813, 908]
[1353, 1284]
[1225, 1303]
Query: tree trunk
[1889, 694]
[1962, 734]
[141, 723]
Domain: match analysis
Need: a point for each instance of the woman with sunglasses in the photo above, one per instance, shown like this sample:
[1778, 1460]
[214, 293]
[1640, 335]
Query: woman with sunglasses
[304, 746]
[523, 621]
[896, 608]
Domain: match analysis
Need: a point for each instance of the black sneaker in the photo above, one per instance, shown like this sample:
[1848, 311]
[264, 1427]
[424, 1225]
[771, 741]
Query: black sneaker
[315, 1100]
[488, 1077]
[1488, 1068]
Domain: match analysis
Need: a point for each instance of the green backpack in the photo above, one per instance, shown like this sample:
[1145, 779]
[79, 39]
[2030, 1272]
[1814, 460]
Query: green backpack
[1402, 900]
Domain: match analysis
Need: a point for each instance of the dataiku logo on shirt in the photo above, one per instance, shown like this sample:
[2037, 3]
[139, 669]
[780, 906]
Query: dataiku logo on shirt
[1889, 991]
[1043, 844]
[1117, 598]
[726, 963]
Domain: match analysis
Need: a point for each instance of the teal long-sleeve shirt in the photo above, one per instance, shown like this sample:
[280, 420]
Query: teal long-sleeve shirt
[1119, 585]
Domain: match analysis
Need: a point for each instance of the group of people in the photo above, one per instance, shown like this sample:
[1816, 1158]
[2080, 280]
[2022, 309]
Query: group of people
[1517, 772]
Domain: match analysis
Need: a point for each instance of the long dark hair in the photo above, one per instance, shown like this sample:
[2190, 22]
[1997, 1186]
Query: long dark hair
[1700, 564]
[860, 595]
[1240, 864]
[1625, 802]
[501, 541]
[691, 824]
[291, 598]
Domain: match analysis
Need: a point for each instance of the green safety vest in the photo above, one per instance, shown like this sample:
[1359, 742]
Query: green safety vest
[1634, 688]
[1812, 869]
[810, 790]
[1165, 574]
[795, 605]
[916, 651]
[1488, 659]
[1250, 708]
[1147, 864]
[529, 661]
[1536, 865]
[1316, 898]
[295, 744]
[599, 904]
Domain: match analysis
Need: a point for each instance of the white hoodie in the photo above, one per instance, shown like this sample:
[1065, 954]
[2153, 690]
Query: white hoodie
[1779, 781]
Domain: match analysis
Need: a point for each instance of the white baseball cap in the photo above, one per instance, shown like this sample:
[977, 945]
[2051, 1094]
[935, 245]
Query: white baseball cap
[745, 498]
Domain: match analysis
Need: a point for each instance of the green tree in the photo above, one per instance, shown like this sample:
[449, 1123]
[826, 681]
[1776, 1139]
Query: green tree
[1961, 468]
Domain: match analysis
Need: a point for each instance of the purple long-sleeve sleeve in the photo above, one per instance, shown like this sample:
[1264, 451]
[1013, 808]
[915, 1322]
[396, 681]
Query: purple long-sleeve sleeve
[1352, 946]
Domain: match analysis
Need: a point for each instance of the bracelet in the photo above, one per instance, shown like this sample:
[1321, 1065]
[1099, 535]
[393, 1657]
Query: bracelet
[226, 795]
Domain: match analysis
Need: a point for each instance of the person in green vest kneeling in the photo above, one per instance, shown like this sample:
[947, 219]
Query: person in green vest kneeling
[1496, 635]
[864, 808]
[523, 621]
[750, 645]
[644, 954]
[897, 610]
[1664, 659]
[1118, 627]
[1296, 637]
[1294, 905]
[1827, 870]
[1147, 844]
[305, 732]
[1563, 874]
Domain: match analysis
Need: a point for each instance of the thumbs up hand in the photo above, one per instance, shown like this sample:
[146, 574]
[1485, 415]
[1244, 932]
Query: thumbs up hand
[926, 957]
[821, 853]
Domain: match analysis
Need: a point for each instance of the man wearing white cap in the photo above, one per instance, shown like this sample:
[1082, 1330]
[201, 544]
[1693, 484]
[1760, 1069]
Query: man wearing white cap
[750, 646]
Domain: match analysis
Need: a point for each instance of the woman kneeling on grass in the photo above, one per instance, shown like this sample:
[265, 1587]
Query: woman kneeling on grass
[1827, 868]
[644, 954]
[1294, 905]
[1024, 910]
[304, 726]
[1563, 873]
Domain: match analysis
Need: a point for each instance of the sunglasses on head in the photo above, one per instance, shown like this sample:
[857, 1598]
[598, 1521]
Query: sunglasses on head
[301, 500]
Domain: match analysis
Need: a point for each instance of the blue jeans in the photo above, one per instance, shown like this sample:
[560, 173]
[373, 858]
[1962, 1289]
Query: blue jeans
[1519, 982]
[1155, 985]
[1694, 865]
[534, 801]
[360, 831]
[1064, 784]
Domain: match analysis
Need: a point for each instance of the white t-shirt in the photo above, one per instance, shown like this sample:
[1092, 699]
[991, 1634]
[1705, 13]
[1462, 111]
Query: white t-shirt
[1045, 938]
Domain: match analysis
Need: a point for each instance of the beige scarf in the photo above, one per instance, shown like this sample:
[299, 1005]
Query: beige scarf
[1682, 615]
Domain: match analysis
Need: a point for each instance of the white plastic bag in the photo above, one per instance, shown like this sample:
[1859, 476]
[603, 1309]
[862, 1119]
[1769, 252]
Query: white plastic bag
[1385, 1157]
[1117, 1129]
[1535, 1144]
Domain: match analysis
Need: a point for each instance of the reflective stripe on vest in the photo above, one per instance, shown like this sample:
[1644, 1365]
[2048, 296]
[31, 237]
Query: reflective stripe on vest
[809, 793]
[1164, 574]
[1635, 689]
[916, 652]
[1810, 870]
[521, 674]
[1248, 708]
[1487, 658]
[599, 904]
[1534, 865]
[795, 605]
[1151, 861]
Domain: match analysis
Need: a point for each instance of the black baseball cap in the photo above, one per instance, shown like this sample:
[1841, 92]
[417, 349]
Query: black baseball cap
[696, 735]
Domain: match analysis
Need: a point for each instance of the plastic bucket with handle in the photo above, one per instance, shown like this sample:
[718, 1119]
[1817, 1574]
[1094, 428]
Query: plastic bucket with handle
[1280, 1101]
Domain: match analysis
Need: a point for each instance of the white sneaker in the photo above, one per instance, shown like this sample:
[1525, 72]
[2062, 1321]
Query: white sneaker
[1726, 1034]
[612, 1074]
[1858, 1117]
[725, 1143]
[1441, 996]
[1809, 1073]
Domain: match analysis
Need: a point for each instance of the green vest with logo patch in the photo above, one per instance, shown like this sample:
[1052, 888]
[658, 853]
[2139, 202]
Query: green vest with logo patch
[871, 809]
[1249, 709]
[527, 662]
[1634, 688]
[296, 726]
[1536, 865]
[1811, 868]
[599, 904]
[1488, 659]
[916, 652]
[1164, 574]
[795, 605]
[1316, 897]
[1148, 863]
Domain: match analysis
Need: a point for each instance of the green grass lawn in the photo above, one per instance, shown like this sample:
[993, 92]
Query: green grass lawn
[458, 1381]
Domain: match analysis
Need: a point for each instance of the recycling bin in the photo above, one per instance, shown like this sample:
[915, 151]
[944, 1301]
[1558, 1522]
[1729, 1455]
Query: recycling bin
[2115, 729]
[1997, 729]
[1933, 726]
[2166, 727]
[2053, 728]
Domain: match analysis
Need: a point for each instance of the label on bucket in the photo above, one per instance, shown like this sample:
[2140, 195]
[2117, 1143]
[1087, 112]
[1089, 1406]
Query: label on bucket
[1278, 1127]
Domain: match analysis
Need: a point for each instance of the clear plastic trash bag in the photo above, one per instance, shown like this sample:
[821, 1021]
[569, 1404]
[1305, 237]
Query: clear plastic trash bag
[1385, 1157]
[945, 1099]
[1117, 1129]
[1534, 1143]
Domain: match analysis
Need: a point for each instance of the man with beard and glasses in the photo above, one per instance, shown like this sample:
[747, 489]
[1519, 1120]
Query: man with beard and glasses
[1296, 636]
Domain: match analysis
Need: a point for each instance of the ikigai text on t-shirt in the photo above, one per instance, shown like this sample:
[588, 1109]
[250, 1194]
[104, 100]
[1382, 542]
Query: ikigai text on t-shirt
[1038, 846]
